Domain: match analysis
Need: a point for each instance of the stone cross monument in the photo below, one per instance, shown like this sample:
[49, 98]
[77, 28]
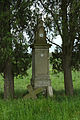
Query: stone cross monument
[40, 58]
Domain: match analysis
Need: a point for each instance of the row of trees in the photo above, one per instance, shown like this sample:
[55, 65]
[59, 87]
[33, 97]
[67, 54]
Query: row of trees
[60, 17]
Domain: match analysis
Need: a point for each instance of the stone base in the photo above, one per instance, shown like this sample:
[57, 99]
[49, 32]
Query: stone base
[49, 91]
[41, 81]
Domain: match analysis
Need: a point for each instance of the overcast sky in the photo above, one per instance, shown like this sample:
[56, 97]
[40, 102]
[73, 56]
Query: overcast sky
[58, 41]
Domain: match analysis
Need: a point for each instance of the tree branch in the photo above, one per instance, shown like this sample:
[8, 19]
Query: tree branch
[53, 43]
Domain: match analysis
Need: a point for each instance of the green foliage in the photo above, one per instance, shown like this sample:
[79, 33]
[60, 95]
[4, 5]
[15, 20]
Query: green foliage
[56, 64]
[76, 57]
[56, 60]
[21, 59]
[76, 60]
[14, 19]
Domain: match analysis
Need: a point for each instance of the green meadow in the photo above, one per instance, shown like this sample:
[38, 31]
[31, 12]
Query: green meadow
[59, 107]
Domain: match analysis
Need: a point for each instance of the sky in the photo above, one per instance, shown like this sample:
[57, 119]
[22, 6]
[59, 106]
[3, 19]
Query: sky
[58, 41]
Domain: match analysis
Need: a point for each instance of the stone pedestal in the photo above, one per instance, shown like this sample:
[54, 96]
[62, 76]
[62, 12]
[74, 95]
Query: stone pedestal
[40, 58]
[40, 66]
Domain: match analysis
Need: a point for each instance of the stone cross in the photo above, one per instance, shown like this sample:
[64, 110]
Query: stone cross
[33, 92]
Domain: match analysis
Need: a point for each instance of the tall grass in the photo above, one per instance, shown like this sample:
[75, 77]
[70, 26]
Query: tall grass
[59, 107]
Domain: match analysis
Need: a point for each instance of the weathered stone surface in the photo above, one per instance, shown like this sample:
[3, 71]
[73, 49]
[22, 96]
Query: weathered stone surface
[50, 91]
[42, 81]
[40, 35]
[40, 67]
[33, 92]
[41, 62]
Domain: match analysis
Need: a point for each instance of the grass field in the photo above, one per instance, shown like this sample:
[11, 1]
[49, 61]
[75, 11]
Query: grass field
[59, 107]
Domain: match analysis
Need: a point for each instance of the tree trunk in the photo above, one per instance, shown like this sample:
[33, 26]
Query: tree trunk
[67, 46]
[8, 81]
[67, 75]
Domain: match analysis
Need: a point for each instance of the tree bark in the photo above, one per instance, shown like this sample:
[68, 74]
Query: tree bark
[8, 81]
[67, 46]
[67, 75]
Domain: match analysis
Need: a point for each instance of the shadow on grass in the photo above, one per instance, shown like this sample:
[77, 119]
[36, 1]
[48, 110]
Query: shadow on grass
[59, 92]
[58, 95]
[20, 94]
[1, 95]
[62, 92]
[76, 92]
